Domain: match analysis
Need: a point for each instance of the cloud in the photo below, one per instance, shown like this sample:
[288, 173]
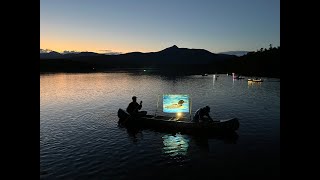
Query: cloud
[45, 50]
[107, 51]
[70, 52]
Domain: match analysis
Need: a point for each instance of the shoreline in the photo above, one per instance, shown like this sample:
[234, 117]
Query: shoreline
[154, 71]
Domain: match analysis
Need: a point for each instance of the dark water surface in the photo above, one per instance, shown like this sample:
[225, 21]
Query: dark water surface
[80, 137]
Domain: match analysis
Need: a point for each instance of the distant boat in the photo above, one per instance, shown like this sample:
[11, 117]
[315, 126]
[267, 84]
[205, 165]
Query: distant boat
[238, 77]
[255, 80]
[234, 76]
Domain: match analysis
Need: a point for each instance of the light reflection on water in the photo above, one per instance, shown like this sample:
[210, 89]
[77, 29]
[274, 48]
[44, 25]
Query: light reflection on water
[250, 83]
[174, 145]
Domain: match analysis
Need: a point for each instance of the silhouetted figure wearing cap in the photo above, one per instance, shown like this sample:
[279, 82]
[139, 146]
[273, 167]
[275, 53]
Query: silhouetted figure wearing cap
[200, 113]
[133, 108]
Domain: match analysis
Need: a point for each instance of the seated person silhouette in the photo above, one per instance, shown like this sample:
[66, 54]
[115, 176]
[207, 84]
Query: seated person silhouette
[133, 108]
[200, 113]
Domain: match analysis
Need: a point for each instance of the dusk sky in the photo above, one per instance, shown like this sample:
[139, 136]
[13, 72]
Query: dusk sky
[152, 25]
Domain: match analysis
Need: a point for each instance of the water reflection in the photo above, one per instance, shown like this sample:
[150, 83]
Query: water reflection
[179, 142]
[133, 132]
[214, 79]
[251, 83]
[175, 145]
[202, 143]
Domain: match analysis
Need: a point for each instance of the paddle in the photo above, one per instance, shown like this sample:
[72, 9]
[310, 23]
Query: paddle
[133, 111]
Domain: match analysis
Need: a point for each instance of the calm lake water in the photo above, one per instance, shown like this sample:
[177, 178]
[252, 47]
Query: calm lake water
[80, 137]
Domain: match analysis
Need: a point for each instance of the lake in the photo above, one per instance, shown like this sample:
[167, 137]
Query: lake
[80, 137]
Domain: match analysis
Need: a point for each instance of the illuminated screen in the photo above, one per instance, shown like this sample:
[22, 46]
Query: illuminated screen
[174, 103]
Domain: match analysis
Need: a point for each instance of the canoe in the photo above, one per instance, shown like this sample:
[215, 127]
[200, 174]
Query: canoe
[178, 124]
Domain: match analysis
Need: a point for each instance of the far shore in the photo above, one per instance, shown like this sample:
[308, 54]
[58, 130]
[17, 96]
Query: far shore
[155, 71]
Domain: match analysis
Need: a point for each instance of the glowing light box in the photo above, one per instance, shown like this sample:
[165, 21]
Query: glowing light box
[174, 103]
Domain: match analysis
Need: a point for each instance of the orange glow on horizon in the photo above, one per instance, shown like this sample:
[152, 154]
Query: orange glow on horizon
[59, 45]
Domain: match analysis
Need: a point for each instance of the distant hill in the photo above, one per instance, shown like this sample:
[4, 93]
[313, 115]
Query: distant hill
[56, 55]
[172, 54]
[236, 53]
[50, 55]
[170, 60]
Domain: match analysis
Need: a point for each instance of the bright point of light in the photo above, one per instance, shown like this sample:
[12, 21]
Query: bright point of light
[179, 114]
[144, 70]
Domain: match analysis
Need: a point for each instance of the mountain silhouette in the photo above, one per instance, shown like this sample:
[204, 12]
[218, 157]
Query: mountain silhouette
[50, 55]
[172, 60]
[170, 55]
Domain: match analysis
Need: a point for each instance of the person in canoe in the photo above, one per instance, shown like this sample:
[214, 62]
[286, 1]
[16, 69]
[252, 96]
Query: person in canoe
[178, 105]
[201, 113]
[133, 108]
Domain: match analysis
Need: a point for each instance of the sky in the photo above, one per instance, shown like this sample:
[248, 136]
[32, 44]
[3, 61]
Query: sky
[152, 25]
